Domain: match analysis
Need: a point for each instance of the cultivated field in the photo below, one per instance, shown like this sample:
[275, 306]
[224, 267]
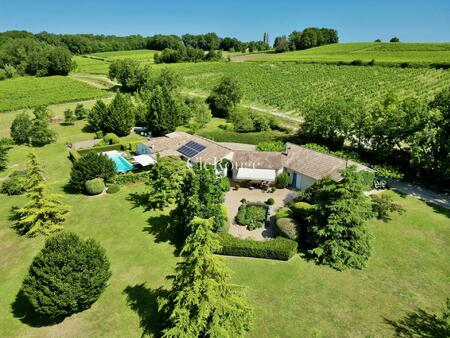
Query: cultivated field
[384, 53]
[408, 271]
[138, 54]
[290, 86]
[32, 91]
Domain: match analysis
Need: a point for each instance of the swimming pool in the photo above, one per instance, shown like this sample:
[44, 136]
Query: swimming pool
[122, 165]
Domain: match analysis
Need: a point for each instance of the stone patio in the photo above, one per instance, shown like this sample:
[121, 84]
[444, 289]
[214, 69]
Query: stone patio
[233, 201]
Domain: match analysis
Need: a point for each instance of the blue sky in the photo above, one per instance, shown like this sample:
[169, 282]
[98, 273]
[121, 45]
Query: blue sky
[362, 20]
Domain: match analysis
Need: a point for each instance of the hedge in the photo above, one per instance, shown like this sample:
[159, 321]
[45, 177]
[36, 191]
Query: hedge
[131, 177]
[279, 248]
[101, 149]
[74, 155]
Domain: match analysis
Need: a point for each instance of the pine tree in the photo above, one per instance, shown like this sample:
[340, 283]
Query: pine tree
[201, 302]
[120, 117]
[164, 113]
[337, 228]
[43, 214]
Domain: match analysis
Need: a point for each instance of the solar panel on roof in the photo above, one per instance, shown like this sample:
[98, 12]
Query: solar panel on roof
[191, 149]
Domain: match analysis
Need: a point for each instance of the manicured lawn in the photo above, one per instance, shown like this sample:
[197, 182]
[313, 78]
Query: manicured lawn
[24, 92]
[408, 270]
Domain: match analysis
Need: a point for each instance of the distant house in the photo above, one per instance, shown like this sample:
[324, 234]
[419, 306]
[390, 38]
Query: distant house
[304, 166]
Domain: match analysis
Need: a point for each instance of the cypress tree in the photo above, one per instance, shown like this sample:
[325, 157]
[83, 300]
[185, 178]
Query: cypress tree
[202, 302]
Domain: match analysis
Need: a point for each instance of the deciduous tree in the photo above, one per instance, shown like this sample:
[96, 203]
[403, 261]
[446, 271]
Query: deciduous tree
[224, 97]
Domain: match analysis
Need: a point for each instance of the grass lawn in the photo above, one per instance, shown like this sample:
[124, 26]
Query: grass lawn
[408, 270]
[27, 91]
[137, 54]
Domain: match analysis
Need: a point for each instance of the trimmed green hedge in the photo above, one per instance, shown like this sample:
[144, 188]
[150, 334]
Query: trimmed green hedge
[279, 248]
[74, 155]
[101, 149]
[131, 177]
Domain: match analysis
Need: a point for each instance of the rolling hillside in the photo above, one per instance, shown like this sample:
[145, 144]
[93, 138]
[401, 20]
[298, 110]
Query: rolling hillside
[384, 53]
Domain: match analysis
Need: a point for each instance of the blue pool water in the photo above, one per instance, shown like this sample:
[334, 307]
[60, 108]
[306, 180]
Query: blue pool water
[121, 163]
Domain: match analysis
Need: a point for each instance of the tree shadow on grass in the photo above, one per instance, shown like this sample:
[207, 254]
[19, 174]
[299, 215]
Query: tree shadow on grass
[163, 229]
[144, 301]
[439, 209]
[139, 200]
[22, 309]
[420, 324]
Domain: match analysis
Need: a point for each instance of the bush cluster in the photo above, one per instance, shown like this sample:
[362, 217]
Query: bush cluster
[90, 166]
[253, 215]
[15, 184]
[283, 213]
[279, 248]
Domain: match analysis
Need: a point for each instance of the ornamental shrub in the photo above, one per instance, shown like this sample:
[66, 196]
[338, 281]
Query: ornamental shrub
[283, 213]
[282, 180]
[300, 210]
[112, 189]
[16, 183]
[288, 228]
[95, 186]
[224, 184]
[279, 248]
[253, 215]
[67, 276]
[90, 166]
[270, 201]
[111, 138]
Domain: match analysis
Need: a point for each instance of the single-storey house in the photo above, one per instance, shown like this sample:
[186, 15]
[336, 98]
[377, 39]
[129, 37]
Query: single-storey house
[304, 166]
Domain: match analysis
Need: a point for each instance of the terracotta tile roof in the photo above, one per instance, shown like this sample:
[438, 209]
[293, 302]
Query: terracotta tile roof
[314, 163]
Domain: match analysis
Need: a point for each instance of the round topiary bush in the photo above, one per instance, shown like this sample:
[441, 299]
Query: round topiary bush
[67, 276]
[300, 210]
[95, 186]
[288, 228]
[112, 189]
[270, 201]
[283, 213]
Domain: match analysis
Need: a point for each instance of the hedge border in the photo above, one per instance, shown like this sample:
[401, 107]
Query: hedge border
[279, 248]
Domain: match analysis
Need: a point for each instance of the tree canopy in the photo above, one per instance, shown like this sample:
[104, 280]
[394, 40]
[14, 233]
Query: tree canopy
[67, 276]
[337, 232]
[202, 302]
[43, 214]
[224, 97]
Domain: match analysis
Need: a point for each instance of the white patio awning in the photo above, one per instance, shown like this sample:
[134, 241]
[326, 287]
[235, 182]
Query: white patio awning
[144, 160]
[256, 174]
